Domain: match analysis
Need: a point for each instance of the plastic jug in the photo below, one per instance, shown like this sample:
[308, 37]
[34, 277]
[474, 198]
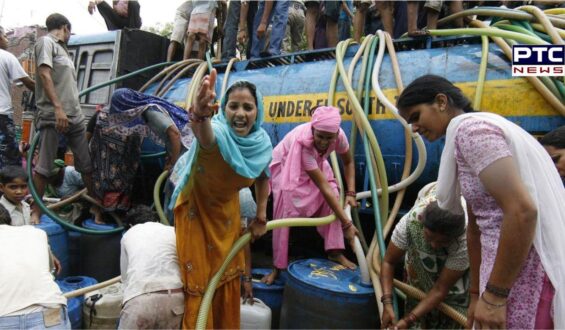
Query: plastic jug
[256, 316]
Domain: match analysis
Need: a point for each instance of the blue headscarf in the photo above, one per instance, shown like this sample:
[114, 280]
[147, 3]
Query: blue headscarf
[124, 99]
[124, 116]
[248, 156]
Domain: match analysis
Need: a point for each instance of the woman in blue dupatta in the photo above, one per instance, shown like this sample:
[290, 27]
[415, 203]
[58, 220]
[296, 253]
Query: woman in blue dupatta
[231, 152]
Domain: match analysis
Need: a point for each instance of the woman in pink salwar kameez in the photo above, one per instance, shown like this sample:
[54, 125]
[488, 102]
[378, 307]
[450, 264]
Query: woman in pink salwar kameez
[304, 185]
[515, 206]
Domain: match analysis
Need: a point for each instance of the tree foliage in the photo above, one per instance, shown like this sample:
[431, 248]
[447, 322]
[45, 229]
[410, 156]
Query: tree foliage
[164, 30]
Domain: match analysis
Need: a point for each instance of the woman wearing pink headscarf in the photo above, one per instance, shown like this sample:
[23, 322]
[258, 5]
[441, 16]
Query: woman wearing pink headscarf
[303, 185]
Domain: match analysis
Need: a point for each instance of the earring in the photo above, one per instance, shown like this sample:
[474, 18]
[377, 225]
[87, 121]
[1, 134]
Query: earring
[442, 109]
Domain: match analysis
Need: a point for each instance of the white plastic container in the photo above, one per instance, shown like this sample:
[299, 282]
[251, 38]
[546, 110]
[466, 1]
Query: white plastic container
[107, 307]
[256, 316]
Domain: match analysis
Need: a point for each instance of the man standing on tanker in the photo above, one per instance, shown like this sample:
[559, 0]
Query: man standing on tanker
[58, 107]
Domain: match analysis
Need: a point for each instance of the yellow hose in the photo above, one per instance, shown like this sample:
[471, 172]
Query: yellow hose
[226, 76]
[538, 85]
[542, 18]
[179, 74]
[407, 140]
[179, 66]
[482, 73]
[555, 11]
[540, 28]
[419, 295]
[238, 245]
[195, 83]
[161, 74]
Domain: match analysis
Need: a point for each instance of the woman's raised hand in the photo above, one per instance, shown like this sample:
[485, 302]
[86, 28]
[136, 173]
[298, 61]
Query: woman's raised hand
[204, 105]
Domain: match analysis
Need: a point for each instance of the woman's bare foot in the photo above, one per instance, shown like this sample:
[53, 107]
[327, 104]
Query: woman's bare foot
[98, 219]
[271, 277]
[342, 260]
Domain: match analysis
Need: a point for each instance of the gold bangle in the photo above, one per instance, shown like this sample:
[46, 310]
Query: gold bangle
[492, 305]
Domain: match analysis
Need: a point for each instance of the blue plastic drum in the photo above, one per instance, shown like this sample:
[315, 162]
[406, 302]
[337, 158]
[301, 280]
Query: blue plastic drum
[74, 305]
[100, 254]
[58, 241]
[271, 295]
[321, 294]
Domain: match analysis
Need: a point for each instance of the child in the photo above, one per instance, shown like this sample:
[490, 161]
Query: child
[13, 184]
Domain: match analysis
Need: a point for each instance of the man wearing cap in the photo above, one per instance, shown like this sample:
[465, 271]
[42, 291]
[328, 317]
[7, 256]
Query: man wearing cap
[64, 180]
[10, 71]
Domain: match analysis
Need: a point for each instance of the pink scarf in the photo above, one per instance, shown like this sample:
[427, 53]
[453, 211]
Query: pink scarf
[325, 119]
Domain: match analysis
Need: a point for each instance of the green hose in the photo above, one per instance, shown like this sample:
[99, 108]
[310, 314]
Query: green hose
[340, 51]
[121, 78]
[47, 211]
[353, 136]
[499, 12]
[515, 28]
[526, 39]
[157, 198]
[482, 73]
[380, 223]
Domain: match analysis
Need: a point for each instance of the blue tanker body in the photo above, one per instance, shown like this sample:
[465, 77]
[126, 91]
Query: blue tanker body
[291, 90]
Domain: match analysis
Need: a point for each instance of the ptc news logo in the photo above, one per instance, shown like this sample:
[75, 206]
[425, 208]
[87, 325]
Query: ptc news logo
[538, 60]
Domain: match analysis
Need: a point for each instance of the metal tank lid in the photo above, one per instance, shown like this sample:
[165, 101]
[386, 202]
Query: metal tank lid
[328, 275]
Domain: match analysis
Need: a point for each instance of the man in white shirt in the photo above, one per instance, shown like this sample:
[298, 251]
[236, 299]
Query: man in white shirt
[153, 290]
[10, 72]
[29, 297]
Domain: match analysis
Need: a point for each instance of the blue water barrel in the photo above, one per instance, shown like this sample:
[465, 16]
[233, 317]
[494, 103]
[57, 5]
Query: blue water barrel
[271, 295]
[74, 253]
[320, 294]
[74, 305]
[58, 241]
[100, 254]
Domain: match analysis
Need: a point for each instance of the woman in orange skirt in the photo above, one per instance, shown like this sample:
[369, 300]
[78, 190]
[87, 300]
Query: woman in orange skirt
[232, 152]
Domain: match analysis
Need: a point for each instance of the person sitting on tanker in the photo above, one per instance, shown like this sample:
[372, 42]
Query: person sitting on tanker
[122, 14]
[116, 141]
[65, 181]
[153, 290]
[554, 144]
[304, 185]
[437, 263]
